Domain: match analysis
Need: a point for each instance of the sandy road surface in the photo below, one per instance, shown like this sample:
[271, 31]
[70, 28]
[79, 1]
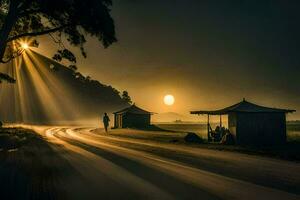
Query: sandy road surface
[111, 167]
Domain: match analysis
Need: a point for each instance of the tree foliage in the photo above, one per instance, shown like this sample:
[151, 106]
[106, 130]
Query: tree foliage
[126, 97]
[69, 19]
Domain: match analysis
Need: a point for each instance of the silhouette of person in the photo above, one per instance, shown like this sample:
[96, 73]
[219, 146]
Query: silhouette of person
[106, 121]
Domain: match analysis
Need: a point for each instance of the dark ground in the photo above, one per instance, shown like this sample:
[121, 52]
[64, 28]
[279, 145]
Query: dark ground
[29, 168]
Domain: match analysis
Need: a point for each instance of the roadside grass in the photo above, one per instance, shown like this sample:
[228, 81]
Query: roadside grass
[290, 151]
[29, 167]
[293, 138]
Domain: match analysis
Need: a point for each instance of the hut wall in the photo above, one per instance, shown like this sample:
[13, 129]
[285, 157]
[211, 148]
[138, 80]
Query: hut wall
[136, 120]
[232, 123]
[118, 120]
[261, 128]
[115, 121]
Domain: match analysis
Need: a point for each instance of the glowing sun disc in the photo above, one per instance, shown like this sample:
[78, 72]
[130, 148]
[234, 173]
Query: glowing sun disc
[25, 46]
[169, 100]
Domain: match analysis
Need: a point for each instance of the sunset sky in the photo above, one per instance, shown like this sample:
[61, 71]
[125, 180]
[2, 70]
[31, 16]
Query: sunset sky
[208, 54]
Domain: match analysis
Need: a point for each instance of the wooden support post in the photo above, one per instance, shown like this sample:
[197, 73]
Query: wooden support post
[208, 129]
[220, 121]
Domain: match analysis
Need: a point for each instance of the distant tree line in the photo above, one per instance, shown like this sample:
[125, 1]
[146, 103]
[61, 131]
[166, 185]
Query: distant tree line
[87, 79]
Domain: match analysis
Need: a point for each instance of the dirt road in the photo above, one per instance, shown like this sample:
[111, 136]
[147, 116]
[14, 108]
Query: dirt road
[109, 166]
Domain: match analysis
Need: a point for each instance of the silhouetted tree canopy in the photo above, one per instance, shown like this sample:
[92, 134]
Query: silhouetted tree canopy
[70, 19]
[126, 97]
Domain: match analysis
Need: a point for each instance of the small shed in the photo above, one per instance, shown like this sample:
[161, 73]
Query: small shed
[132, 117]
[252, 124]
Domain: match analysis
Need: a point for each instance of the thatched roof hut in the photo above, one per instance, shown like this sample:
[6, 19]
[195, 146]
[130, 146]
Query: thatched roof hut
[132, 117]
[253, 124]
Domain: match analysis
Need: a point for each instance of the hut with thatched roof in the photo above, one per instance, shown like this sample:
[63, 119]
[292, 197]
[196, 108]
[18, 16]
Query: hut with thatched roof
[252, 124]
[132, 117]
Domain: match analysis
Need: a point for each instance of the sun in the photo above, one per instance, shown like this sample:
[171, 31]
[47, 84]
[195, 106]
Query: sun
[25, 46]
[169, 100]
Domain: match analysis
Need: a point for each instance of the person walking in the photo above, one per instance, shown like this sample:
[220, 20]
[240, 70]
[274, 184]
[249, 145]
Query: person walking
[106, 121]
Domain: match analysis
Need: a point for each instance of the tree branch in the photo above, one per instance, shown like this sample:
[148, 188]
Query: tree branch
[13, 56]
[35, 33]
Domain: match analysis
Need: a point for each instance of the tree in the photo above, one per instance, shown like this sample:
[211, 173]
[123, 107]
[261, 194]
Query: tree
[69, 19]
[88, 78]
[126, 97]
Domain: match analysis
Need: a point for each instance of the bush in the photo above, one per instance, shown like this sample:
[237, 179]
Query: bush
[193, 138]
